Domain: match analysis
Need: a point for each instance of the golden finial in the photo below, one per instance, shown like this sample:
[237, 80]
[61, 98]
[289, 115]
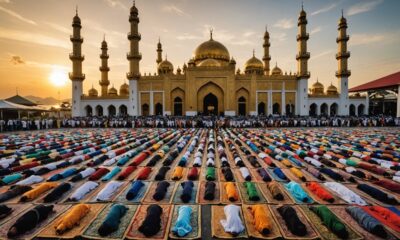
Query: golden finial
[133, 2]
[317, 79]
[104, 37]
[76, 10]
[342, 12]
[166, 57]
[211, 33]
[159, 39]
[253, 52]
[276, 63]
[302, 5]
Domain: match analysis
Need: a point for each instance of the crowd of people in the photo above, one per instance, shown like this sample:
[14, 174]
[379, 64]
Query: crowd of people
[197, 121]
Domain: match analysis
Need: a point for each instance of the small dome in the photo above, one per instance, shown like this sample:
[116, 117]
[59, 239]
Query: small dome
[124, 90]
[317, 88]
[165, 66]
[76, 19]
[209, 63]
[233, 61]
[113, 91]
[93, 92]
[331, 90]
[253, 64]
[211, 49]
[134, 9]
[276, 70]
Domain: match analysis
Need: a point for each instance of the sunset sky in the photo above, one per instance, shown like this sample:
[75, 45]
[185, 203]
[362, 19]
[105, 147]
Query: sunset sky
[34, 37]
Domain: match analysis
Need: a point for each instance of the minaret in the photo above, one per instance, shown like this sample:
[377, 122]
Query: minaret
[159, 52]
[302, 69]
[266, 57]
[134, 58]
[343, 72]
[104, 69]
[77, 58]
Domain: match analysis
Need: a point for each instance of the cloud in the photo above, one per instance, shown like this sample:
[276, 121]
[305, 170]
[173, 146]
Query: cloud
[324, 9]
[364, 6]
[174, 9]
[59, 27]
[316, 30]
[279, 37]
[322, 54]
[187, 36]
[365, 39]
[285, 23]
[116, 3]
[5, 1]
[30, 37]
[17, 16]
[248, 33]
[17, 60]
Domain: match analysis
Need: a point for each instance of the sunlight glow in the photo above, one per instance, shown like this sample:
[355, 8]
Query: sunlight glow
[58, 77]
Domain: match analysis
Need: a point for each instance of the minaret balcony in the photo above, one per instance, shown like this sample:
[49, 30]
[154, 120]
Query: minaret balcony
[104, 83]
[134, 36]
[132, 76]
[267, 58]
[303, 75]
[343, 73]
[303, 55]
[76, 39]
[266, 44]
[134, 18]
[302, 37]
[341, 55]
[74, 57]
[104, 56]
[75, 77]
[133, 56]
[342, 38]
[104, 69]
[302, 21]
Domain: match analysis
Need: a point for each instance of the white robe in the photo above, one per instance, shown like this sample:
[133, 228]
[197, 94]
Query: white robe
[108, 191]
[30, 180]
[87, 172]
[83, 190]
[245, 172]
[233, 223]
[345, 193]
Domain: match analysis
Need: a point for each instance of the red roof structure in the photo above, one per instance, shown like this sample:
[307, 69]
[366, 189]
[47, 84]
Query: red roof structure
[389, 81]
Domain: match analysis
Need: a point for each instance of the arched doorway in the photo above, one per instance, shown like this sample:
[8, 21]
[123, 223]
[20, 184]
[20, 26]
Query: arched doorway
[178, 106]
[334, 109]
[159, 109]
[360, 109]
[324, 109]
[89, 111]
[352, 110]
[313, 109]
[276, 108]
[99, 110]
[112, 111]
[289, 109]
[261, 108]
[145, 109]
[123, 110]
[242, 106]
[210, 104]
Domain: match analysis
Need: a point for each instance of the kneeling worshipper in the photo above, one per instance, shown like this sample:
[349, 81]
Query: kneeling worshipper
[29, 220]
[261, 220]
[14, 191]
[297, 172]
[384, 215]
[377, 194]
[345, 193]
[134, 189]
[178, 173]
[125, 173]
[108, 191]
[228, 175]
[30, 180]
[152, 222]
[366, 221]
[245, 173]
[112, 220]
[187, 191]
[161, 173]
[182, 226]
[84, 189]
[252, 191]
[275, 190]
[193, 174]
[209, 193]
[210, 174]
[161, 190]
[4, 211]
[144, 173]
[98, 174]
[72, 218]
[83, 174]
[264, 175]
[57, 192]
[323, 194]
[64, 174]
[298, 192]
[331, 221]
[231, 192]
[292, 221]
[37, 191]
[278, 172]
[233, 223]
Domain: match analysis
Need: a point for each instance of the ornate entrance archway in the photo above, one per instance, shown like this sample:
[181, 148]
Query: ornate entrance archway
[210, 104]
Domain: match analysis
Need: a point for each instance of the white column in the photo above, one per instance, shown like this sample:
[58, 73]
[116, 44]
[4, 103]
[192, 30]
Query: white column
[151, 103]
[366, 109]
[398, 102]
[302, 97]
[318, 111]
[77, 91]
[344, 97]
[269, 108]
[257, 103]
[133, 106]
[283, 101]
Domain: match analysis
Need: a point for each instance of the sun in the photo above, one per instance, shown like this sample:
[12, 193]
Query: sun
[58, 77]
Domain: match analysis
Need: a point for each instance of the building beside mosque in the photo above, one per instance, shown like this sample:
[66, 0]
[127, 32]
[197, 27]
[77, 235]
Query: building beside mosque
[211, 83]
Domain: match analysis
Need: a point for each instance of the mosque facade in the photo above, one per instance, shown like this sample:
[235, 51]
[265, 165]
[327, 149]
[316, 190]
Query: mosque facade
[210, 83]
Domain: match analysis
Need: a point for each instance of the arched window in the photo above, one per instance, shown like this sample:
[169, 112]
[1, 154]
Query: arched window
[178, 106]
[313, 109]
[324, 109]
[289, 109]
[123, 110]
[334, 109]
[242, 106]
[159, 109]
[99, 110]
[352, 110]
[145, 109]
[89, 111]
[361, 109]
[111, 111]
[261, 108]
[276, 108]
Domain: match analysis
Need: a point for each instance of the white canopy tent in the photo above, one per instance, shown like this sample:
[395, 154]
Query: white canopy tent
[6, 105]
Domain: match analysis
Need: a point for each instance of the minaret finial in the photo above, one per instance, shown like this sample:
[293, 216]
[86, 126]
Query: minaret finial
[159, 39]
[302, 5]
[211, 33]
[166, 56]
[16, 90]
[342, 12]
[253, 52]
[76, 10]
[133, 2]
[104, 37]
[266, 27]
[276, 63]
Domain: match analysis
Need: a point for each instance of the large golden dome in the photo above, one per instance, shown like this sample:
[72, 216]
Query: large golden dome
[209, 63]
[317, 88]
[124, 90]
[211, 49]
[276, 70]
[253, 65]
[113, 91]
[93, 92]
[331, 90]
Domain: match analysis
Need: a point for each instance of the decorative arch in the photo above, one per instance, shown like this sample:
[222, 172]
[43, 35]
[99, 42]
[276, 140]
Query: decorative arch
[178, 93]
[361, 109]
[352, 110]
[313, 109]
[89, 111]
[99, 111]
[261, 108]
[112, 111]
[334, 109]
[158, 109]
[206, 89]
[242, 99]
[276, 108]
[289, 109]
[178, 106]
[324, 109]
[123, 110]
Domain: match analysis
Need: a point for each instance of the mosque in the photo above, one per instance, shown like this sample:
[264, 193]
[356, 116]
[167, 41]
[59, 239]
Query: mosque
[210, 83]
